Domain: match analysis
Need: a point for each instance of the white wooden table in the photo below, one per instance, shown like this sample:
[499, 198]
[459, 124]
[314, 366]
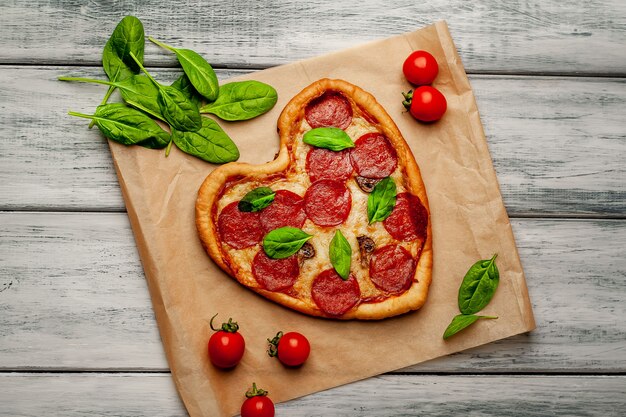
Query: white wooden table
[77, 332]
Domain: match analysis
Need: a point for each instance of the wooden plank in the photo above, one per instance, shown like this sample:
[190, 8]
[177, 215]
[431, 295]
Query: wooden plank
[492, 36]
[137, 395]
[558, 144]
[92, 310]
[50, 160]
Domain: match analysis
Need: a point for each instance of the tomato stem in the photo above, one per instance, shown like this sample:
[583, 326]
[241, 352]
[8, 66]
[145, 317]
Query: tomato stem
[230, 327]
[272, 349]
[255, 392]
[408, 97]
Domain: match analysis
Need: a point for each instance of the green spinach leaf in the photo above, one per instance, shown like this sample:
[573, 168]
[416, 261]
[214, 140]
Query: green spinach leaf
[478, 286]
[284, 242]
[180, 112]
[137, 91]
[183, 85]
[331, 138]
[198, 70]
[128, 36]
[114, 67]
[210, 143]
[257, 199]
[381, 201]
[462, 321]
[242, 100]
[127, 126]
[340, 254]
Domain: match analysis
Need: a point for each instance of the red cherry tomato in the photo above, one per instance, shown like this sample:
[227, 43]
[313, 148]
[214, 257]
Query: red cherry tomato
[257, 404]
[226, 346]
[420, 68]
[426, 103]
[291, 348]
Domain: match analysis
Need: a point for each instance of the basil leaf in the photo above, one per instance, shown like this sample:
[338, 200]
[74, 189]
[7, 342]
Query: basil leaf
[183, 85]
[242, 100]
[127, 126]
[331, 138]
[177, 109]
[257, 199]
[381, 200]
[462, 321]
[340, 254]
[198, 70]
[284, 242]
[127, 37]
[478, 286]
[210, 143]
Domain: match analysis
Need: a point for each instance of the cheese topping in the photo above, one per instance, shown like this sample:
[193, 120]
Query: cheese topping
[296, 179]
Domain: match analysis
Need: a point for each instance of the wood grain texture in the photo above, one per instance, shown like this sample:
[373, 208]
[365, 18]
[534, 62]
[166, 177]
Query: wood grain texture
[153, 395]
[49, 160]
[558, 144]
[73, 299]
[522, 37]
[92, 310]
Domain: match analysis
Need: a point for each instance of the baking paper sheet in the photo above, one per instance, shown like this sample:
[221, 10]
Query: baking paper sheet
[468, 218]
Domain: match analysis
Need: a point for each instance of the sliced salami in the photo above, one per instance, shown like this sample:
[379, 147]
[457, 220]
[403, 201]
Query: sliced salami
[324, 164]
[333, 295]
[239, 229]
[408, 220]
[392, 269]
[327, 202]
[373, 156]
[275, 274]
[287, 209]
[329, 110]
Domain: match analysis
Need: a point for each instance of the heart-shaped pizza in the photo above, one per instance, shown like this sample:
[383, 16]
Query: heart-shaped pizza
[338, 225]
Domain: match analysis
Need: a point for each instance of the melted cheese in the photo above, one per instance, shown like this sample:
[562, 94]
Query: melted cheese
[297, 181]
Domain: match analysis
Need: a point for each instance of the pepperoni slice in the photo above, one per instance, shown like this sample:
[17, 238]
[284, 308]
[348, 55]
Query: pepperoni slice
[408, 220]
[324, 164]
[327, 202]
[333, 295]
[275, 274]
[331, 109]
[239, 229]
[392, 269]
[287, 209]
[373, 156]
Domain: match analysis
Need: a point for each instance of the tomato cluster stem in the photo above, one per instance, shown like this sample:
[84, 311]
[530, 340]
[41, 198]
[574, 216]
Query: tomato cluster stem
[273, 345]
[229, 327]
[408, 98]
[255, 392]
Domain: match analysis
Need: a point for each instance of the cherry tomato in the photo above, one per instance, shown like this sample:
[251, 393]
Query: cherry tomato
[420, 68]
[226, 346]
[291, 348]
[426, 103]
[257, 404]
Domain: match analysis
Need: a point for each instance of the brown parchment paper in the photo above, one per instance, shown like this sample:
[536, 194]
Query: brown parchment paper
[468, 218]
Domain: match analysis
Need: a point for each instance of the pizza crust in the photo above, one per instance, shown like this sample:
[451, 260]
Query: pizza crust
[212, 187]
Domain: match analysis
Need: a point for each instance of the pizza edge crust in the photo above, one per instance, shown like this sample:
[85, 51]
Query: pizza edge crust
[210, 190]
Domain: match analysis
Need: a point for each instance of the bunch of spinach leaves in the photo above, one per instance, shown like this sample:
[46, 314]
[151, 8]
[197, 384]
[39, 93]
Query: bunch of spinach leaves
[178, 105]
